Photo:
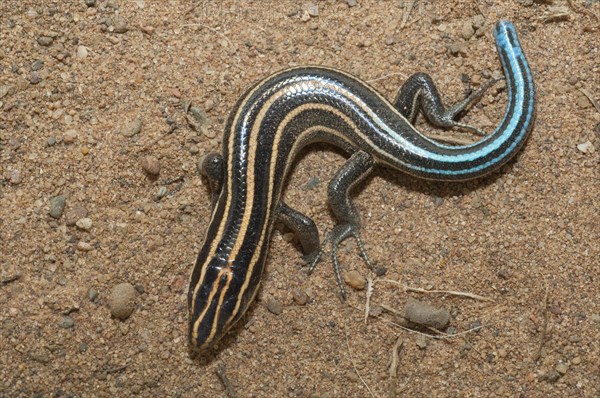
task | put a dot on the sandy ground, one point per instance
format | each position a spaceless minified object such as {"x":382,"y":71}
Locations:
{"x":74,"y":78}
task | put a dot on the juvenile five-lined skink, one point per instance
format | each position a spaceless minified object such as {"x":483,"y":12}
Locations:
{"x":280,"y":115}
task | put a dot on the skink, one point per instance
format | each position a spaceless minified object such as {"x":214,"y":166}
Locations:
{"x":280,"y":115}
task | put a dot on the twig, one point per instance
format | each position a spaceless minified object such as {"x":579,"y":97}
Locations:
{"x":583,"y":10}
{"x":388,"y":75}
{"x":354,"y":364}
{"x":441,"y":335}
{"x":10,"y":279}
{"x":116,"y":369}
{"x":369,"y":294}
{"x":212,"y":30}
{"x":408,"y":7}
{"x":544,"y":325}
{"x":229,"y":390}
{"x":394,"y":368}
{"x":591,"y":98}
{"x":450,"y":292}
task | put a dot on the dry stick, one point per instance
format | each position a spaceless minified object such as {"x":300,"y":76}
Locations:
{"x":591,"y":98}
{"x":229,"y":390}
{"x":388,"y":75}
{"x":441,"y":336}
{"x":369,"y":294}
{"x":583,"y":10}
{"x":408,"y":7}
{"x":544,"y":325}
{"x":353,"y":364}
{"x":394,"y":368}
{"x":215,"y":31}
{"x":450,"y":292}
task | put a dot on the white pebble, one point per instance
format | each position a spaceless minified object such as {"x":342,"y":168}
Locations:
{"x":82,"y":52}
{"x":84,"y":223}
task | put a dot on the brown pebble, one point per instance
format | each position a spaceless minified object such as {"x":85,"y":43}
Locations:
{"x":151,"y":165}
{"x":132,"y":128}
{"x":84,"y":246}
{"x":467,"y":30}
{"x":14,"y":176}
{"x":275,"y":306}
{"x":178,"y":283}
{"x":425,"y":314}
{"x":70,"y":136}
{"x":122,"y":300}
{"x":355,"y":280}
{"x":375,"y":311}
{"x":300,"y":296}
{"x":74,"y":214}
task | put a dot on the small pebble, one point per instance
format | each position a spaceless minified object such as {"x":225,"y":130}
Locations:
{"x":74,"y":214}
{"x":178,"y":284}
{"x":351,"y":3}
{"x":312,"y":183}
{"x":140,"y":288}
{"x":162,"y":191}
{"x":300,"y":296}
{"x":551,"y":376}
{"x":5,"y":90}
{"x":51,"y":141}
{"x":148,"y":29}
{"x":313,"y":10}
{"x":66,"y":323}
{"x":82,"y":52}
{"x":355,"y":280}
{"x":84,"y":246}
{"x":375,"y":311}
{"x":503,"y":274}
{"x":37,"y":65}
{"x":120,"y":25}
{"x":562,"y":368}
{"x":425,"y":314}
{"x":45,"y":41}
{"x":132,"y":128}
{"x":197,"y":118}
{"x":14,"y":176}
{"x":151,"y":166}
{"x":586,"y":147}
{"x":583,"y":102}
{"x":288,"y":237}
{"x":70,"y":136}
{"x":274,"y":306}
{"x":84,"y":223}
{"x":467,"y":30}
{"x":40,"y":356}
{"x":122,"y":300}
{"x":421,"y":341}
{"x":57,"y":206}
{"x":478,"y":21}
{"x":92,"y":294}
{"x":35,"y":78}
{"x":475,"y":326}
{"x":576,"y":361}
{"x":90,"y":3}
